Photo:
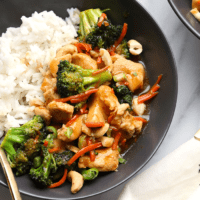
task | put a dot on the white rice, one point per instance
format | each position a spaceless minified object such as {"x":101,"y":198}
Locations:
{"x":35,"y":42}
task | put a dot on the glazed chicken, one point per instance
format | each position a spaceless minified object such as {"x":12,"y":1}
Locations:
{"x":134,"y":72}
{"x":106,"y":160}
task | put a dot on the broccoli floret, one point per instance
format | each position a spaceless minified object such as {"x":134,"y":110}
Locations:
{"x":123,"y":94}
{"x":104,"y":36}
{"x":123,"y":49}
{"x":20,"y":162}
{"x":41,"y":175}
{"x":73,"y":79}
{"x":22,"y":144}
{"x":63,"y":157}
{"x":88,"y":19}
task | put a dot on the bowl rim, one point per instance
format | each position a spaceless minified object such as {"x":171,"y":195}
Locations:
{"x":184,"y":21}
{"x":158,"y":145}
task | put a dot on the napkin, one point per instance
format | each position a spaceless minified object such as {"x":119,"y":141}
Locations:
{"x":175,"y":177}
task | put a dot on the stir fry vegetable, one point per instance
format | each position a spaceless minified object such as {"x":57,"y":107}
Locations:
{"x":73,"y":79}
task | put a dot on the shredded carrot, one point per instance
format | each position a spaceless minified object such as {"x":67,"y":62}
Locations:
{"x":112,"y":53}
{"x":116,"y":141}
{"x":121,"y":37}
{"x":61,"y":181}
{"x":79,"y":49}
{"x":45,"y":143}
{"x":79,"y":99}
{"x":100,"y":70}
{"x":92,"y":154}
{"x":101,"y":19}
{"x":54,"y":149}
{"x":152,"y":92}
{"x":140,"y":119}
{"x":83,"y":46}
{"x":83,"y":151}
{"x":89,"y":92}
{"x":155,"y":87}
{"x":99,"y":60}
{"x":83,"y":109}
{"x":72,"y":120}
{"x":110,"y":118}
{"x":94,"y":124}
{"x":146,"y":97}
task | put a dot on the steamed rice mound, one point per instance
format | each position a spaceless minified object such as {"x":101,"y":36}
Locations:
{"x":25,"y":53}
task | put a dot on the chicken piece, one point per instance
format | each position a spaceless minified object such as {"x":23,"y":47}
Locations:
{"x":134,"y":72}
{"x":56,"y":61}
{"x":106,"y":160}
{"x":36,"y":102}
{"x":48,"y":83}
{"x":72,"y":148}
{"x":106,"y":141}
{"x":196,"y":4}
{"x":97,"y":110}
{"x":60,"y":112}
{"x":138,"y":108}
{"x":76,"y":127}
{"x":85,"y":61}
{"x":124,"y":121}
{"x":107,"y":96}
{"x":99,"y":132}
{"x":44,"y":113}
{"x":50,"y":95}
{"x":85,"y":129}
{"x":67,"y":49}
{"x":102,"y":102}
{"x":138,"y":125}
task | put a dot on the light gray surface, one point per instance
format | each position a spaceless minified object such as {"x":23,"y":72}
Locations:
{"x":186,"y":49}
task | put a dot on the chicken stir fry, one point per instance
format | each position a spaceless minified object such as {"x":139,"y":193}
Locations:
{"x":92,"y":107}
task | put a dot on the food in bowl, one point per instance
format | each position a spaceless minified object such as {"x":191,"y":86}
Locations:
{"x":93,"y":98}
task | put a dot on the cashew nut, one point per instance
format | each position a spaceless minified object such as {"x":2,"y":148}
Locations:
{"x":135,"y":48}
{"x":94,"y":54}
{"x":100,"y":131}
{"x":72,"y":148}
{"x":67,"y":49}
{"x":77,"y":181}
{"x":106,"y":141}
{"x":105,"y":57}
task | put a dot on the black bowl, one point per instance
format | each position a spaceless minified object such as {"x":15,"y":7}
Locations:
{"x":182,"y":9}
{"x":158,"y":59}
